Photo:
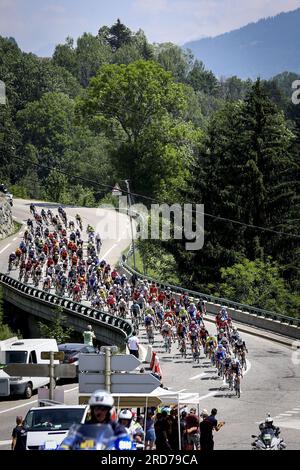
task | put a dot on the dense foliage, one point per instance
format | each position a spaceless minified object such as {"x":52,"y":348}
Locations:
{"x":113,"y":107}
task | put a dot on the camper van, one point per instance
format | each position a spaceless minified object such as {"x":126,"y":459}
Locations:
{"x":26,"y":351}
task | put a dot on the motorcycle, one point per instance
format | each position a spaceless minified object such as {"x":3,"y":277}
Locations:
{"x":95,"y":437}
{"x":268,"y":440}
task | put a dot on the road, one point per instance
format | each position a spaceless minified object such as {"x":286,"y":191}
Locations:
{"x":272,"y":382}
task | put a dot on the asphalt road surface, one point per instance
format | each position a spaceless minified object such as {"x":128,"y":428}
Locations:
{"x":271,"y":384}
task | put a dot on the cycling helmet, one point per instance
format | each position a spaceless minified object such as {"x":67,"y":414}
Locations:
{"x":101,"y":398}
{"x":221,"y":330}
{"x":89,"y":327}
{"x":234,"y":328}
{"x":239,"y":342}
{"x":125,"y":414}
{"x":220,"y":345}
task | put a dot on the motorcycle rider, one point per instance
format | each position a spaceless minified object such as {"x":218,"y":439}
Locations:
{"x":268,"y":424}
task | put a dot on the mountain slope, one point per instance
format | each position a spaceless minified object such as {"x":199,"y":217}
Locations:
{"x":264,"y":49}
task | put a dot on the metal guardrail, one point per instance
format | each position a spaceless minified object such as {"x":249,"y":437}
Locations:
{"x":216,"y":300}
{"x":67,"y":304}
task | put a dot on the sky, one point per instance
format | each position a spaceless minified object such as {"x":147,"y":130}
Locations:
{"x":38,"y":25}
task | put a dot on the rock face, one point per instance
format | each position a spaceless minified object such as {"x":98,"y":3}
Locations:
{"x":6,"y":221}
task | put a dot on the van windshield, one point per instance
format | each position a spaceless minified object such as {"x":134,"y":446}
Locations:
{"x":53,"y":419}
{"x":16,"y":357}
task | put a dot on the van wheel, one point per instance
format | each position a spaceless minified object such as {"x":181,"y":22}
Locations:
{"x":28,"y":391}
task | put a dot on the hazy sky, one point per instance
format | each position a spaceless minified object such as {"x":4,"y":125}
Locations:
{"x":38,"y":25}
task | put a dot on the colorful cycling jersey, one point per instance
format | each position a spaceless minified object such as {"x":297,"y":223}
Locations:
{"x":211,"y":340}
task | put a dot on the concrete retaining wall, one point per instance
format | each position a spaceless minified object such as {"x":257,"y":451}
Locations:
{"x":274,"y":326}
{"x":105,"y":333}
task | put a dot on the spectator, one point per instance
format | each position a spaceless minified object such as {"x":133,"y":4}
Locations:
{"x":192,"y":423}
{"x":19,"y":435}
{"x":150,"y":431}
{"x":133,"y":345}
{"x":207,"y":426}
{"x":162,"y":430}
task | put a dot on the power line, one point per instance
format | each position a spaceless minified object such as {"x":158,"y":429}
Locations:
{"x":149,"y":198}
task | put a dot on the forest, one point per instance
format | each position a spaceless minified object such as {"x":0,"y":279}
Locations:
{"x":114,"y":106}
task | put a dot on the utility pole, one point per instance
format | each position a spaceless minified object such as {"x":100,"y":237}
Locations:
{"x":131,"y":224}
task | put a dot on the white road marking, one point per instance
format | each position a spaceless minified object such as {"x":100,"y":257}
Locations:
{"x":5,"y":248}
{"x":182,"y":390}
{"x":19,"y":406}
{"x":198,"y":376}
{"x":293,"y":412}
{"x":14,"y":239}
{"x":105,"y":254}
{"x":211,"y":394}
{"x":34,"y":401}
{"x":291,"y":424}
{"x":71,"y":389}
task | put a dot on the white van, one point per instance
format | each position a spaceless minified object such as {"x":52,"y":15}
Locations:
{"x":47,"y":426}
{"x":26,"y":351}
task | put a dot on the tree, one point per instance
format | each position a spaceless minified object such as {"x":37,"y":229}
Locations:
{"x":245,"y":173}
{"x":65,"y":56}
{"x":143,"y":106}
{"x":56,"y":186}
{"x":202,"y":80}
{"x":48,"y":125}
{"x":132,"y":97}
{"x":56,"y":329}
{"x":90,"y":55}
{"x":175,"y":60}
{"x":116,"y":36}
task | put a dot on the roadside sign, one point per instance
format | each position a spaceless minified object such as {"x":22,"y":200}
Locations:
{"x":116,"y":191}
{"x":120,"y":383}
{"x":57,"y":355}
{"x":119,"y":362}
{"x":40,"y":370}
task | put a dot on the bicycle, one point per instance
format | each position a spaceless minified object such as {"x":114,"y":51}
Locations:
{"x":167,"y":344}
{"x":237,"y":386}
{"x":182,"y":348}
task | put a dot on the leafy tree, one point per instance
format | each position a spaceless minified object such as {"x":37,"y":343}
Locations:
{"x":202,"y":80}
{"x":48,"y":125}
{"x":245,"y":173}
{"x":90,"y":55}
{"x":234,"y":88}
{"x":65,"y":56}
{"x":57,"y":329}
{"x":175,"y":60}
{"x":143,"y":106}
{"x":56,"y":186}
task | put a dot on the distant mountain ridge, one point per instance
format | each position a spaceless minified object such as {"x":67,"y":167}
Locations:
{"x":264,"y":49}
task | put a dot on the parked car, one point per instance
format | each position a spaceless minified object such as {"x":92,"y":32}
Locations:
{"x":47,"y":426}
{"x":72,"y":351}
